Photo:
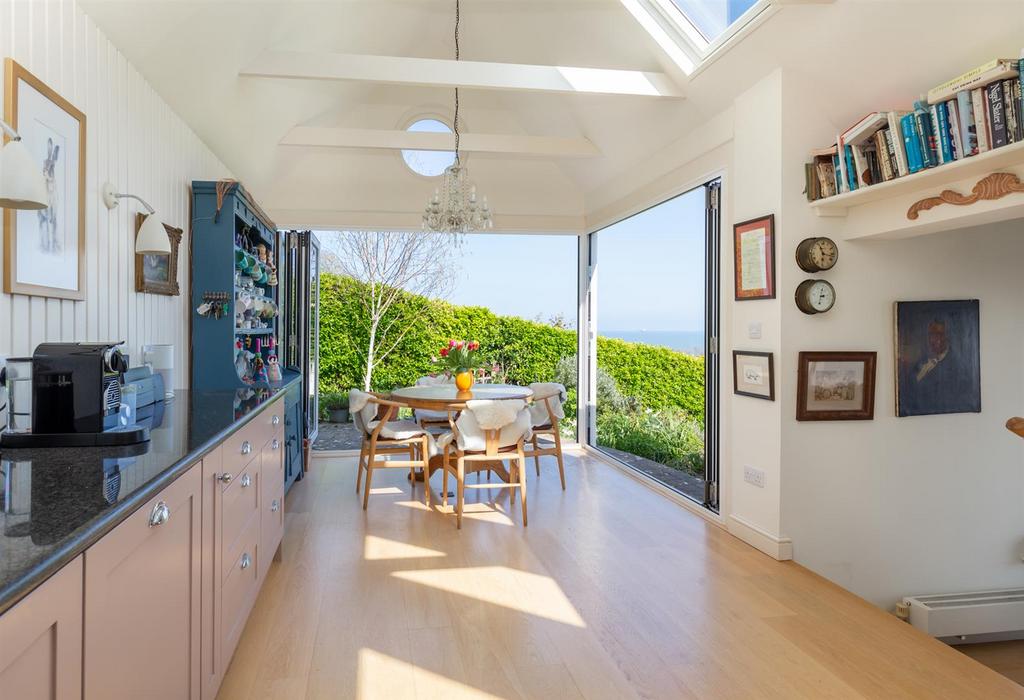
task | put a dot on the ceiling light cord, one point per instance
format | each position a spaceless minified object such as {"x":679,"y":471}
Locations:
{"x":455,"y":123}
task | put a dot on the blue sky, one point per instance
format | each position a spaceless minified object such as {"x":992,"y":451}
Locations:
{"x":650,"y":271}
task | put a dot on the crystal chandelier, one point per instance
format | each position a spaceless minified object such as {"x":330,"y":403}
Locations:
{"x":454,"y":207}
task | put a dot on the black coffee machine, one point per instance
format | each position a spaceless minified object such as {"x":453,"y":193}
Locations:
{"x":76,"y":398}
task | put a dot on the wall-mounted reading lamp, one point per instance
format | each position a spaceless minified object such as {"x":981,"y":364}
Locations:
{"x":22,"y":185}
{"x":152,"y":236}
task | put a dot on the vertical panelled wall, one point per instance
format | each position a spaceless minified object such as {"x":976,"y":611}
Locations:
{"x":136,"y":142}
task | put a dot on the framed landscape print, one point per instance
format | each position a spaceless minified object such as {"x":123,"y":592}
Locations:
{"x":157,"y":273}
{"x":754,"y":258}
{"x":836,"y":386}
{"x":938,"y":357}
{"x":44,"y":250}
{"x":753,"y":374}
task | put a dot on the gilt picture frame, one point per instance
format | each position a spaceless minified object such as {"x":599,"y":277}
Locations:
{"x":44,"y":250}
{"x":836,"y":386}
{"x":157,"y":273}
{"x":753,"y":374}
{"x":754,"y":258}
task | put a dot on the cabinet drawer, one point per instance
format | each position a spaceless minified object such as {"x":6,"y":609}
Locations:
{"x":242,"y":447}
{"x":238,"y":592}
{"x":272,"y":416}
{"x":240,"y":504}
{"x":272,"y":514}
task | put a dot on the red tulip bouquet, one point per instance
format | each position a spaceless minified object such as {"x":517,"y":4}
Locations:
{"x":461,"y":358}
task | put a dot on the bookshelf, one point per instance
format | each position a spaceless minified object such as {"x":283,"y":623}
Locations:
{"x":926,"y":182}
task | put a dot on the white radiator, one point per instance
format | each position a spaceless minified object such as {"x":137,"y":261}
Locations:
{"x":957,"y":617}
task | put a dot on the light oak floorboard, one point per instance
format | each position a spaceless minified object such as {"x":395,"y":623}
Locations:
{"x":613,"y":591}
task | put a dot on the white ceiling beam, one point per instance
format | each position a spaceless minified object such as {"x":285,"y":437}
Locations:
{"x":504,"y":144}
{"x":399,"y":70}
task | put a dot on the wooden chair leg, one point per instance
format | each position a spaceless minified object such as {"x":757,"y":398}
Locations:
{"x":512,"y":478}
{"x":444,"y":480}
{"x":425,"y":447}
{"x":369,"y":475}
{"x":362,"y":456}
{"x":461,"y":476}
{"x":522,"y":481}
{"x":558,"y":456}
{"x":412,"y":470}
{"x":536,"y":457}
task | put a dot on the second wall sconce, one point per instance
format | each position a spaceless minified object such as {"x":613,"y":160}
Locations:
{"x":152,"y":236}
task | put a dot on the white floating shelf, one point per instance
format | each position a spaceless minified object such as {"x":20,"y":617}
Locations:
{"x":928,"y":182}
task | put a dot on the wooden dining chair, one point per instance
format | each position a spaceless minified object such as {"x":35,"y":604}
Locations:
{"x":487,"y":432}
{"x":383,"y":438}
{"x":547,"y":410}
{"x":433,"y":421}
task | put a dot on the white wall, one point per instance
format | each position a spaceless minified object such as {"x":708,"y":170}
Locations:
{"x":135,"y":141}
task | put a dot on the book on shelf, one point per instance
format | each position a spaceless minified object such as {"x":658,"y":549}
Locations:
{"x":822,"y":170}
{"x":968,"y":130}
{"x":926,"y":134}
{"x":955,"y":134}
{"x":911,"y":142}
{"x":1011,"y":99}
{"x":896,"y":137}
{"x":942,"y":135}
{"x":996,"y":69}
{"x":982,"y":123}
{"x":996,"y":113}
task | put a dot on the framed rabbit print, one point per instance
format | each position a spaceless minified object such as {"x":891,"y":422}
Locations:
{"x":44,"y":250}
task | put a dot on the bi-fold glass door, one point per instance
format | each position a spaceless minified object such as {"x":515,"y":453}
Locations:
{"x":652,"y":320}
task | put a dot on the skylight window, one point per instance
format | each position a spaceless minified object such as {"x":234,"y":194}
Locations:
{"x":713,"y":17}
{"x":429,"y":163}
{"x":690,"y":31}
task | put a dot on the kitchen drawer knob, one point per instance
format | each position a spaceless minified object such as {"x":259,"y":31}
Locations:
{"x":160,"y":515}
{"x":225,"y":478}
{"x":275,"y":444}
{"x":274,"y":506}
{"x":246,"y":561}
{"x":246,"y":480}
{"x":246,"y":447}
{"x":276,"y":420}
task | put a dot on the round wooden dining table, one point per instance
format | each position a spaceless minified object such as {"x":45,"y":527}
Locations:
{"x":446,"y":397}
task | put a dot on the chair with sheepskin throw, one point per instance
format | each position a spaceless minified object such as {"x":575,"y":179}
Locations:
{"x":433,"y":420}
{"x":487,"y":431}
{"x":547,"y":410}
{"x":383,"y":437}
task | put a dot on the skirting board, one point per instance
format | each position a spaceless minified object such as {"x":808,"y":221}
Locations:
{"x":780,"y":548}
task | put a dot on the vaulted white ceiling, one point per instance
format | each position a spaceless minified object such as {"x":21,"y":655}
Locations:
{"x":192,"y":52}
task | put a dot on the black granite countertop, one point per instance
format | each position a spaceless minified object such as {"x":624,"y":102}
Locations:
{"x":58,"y":501}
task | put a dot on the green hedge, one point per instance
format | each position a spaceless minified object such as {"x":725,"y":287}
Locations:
{"x":656,"y":377}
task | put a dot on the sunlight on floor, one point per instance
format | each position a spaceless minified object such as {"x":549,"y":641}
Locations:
{"x":382,"y":490}
{"x":384,"y":676}
{"x":376,"y":548}
{"x":481,"y":512}
{"x":532,"y":594}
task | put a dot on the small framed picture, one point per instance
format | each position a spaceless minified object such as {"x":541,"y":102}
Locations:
{"x":157,"y":273}
{"x":754,"y":258}
{"x":753,"y":374}
{"x":836,"y":386}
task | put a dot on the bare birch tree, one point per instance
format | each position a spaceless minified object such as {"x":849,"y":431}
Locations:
{"x":390,"y":264}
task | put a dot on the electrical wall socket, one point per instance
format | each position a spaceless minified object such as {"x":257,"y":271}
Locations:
{"x":754,"y":476}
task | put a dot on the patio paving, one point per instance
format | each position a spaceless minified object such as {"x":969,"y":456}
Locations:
{"x":337,"y":436}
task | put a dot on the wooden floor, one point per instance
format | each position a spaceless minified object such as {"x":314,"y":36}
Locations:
{"x":1005,"y":657}
{"x":613,"y":591}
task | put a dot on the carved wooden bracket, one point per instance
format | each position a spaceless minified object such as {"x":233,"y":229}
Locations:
{"x":994,"y":186}
{"x":1016,"y":425}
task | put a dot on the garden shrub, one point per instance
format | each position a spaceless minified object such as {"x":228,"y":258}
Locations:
{"x":631,"y":374}
{"x":667,"y":436}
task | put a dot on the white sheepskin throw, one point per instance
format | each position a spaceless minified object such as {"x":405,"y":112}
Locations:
{"x":510,"y":417}
{"x":362,"y":409}
{"x":555,"y":395}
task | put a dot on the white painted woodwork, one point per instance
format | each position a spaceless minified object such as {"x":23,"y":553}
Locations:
{"x":505,"y":144}
{"x":41,"y":640}
{"x":438,"y":72}
{"x":142,"y":601}
{"x":133,"y":140}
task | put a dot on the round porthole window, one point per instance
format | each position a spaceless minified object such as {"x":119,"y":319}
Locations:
{"x":429,"y":163}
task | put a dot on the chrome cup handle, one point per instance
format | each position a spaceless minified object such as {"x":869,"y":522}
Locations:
{"x":160,"y":515}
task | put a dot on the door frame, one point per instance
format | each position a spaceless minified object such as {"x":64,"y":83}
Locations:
{"x":588,"y":274}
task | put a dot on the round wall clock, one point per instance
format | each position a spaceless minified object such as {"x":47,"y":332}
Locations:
{"x":817,"y":254}
{"x":815,"y":296}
